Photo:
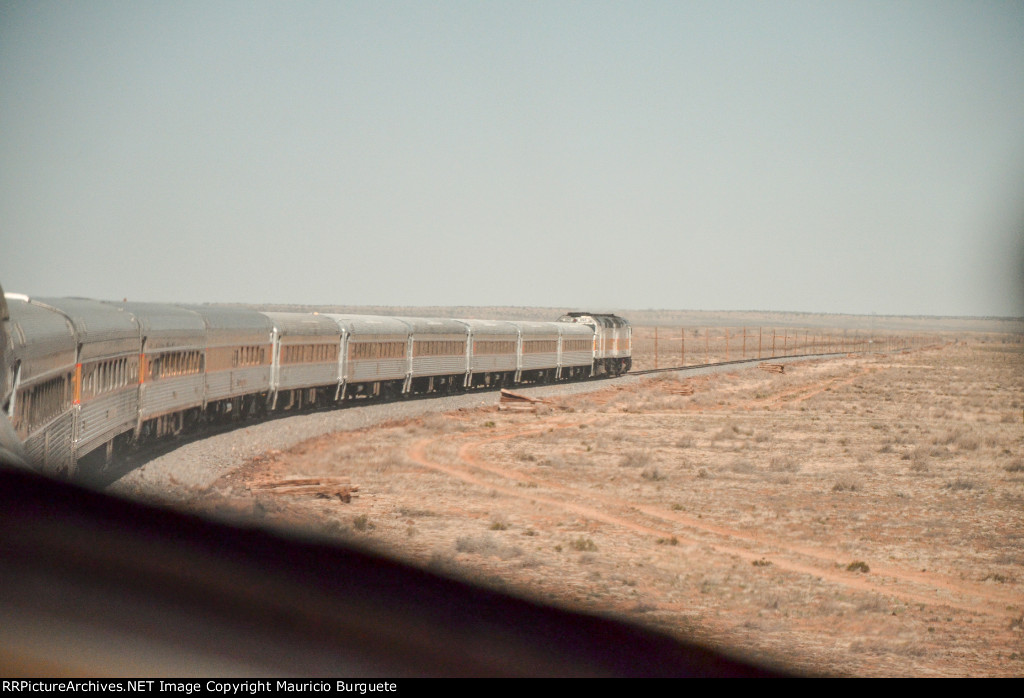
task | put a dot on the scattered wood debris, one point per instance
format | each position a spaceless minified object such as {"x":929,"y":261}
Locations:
{"x":324,"y":487}
{"x":517,"y":401}
{"x":681,"y":389}
{"x":773,"y":368}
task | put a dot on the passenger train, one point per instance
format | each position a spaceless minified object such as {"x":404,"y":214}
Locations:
{"x":81,"y":378}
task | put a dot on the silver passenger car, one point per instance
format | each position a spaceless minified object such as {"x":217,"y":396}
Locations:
{"x":575,"y":350}
{"x":493,"y":352}
{"x":538,"y":351}
{"x":238,"y":363}
{"x":439,"y":354}
{"x":171,"y":372}
{"x":307,"y":348}
{"x":375,"y":355}
{"x":106,"y":374}
{"x":42,"y":365}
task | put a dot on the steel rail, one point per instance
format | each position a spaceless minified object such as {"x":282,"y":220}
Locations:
{"x":692,"y":367}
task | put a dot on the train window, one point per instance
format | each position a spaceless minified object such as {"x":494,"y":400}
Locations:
{"x":488,"y":347}
{"x":43,"y":402}
{"x":539,"y":346}
{"x":372,"y":350}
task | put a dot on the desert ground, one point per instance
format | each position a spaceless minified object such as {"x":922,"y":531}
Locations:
{"x":856,"y":515}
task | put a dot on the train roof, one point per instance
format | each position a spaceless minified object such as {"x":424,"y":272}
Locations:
{"x":435,"y":325}
{"x":38,"y":329}
{"x":304,"y":324}
{"x":162,"y":317}
{"x":233,"y":326}
{"x":101,"y":329}
{"x":370,"y":324}
{"x":583,"y":313}
{"x":534,"y":328}
{"x":492,"y":327}
{"x":582,"y":329}
{"x":603,"y":319}
{"x":166,"y":326}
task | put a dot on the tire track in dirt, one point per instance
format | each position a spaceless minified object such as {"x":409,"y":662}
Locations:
{"x":818,"y":562}
{"x":792,"y":395}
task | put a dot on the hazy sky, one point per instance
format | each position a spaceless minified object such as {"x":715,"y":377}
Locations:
{"x":822,"y":156}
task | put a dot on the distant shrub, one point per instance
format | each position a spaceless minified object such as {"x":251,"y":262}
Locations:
{"x":741,"y":465}
{"x":1014,"y":466}
{"x":636,"y":459}
{"x":584,"y":545}
{"x":783,"y":464}
{"x":844,"y":485}
{"x":486,"y":545}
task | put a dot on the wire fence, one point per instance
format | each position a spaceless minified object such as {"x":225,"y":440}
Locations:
{"x":664,"y":347}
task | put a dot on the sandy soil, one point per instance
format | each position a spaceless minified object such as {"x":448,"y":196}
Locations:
{"x":859,"y":515}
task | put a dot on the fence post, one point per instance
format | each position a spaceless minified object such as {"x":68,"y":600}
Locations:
{"x":726,"y":343}
{"x":682,"y":346}
{"x":707,"y":346}
{"x":655,"y":347}
{"x":760,"y":331}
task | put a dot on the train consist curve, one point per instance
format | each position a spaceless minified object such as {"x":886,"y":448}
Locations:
{"x":80,"y":378}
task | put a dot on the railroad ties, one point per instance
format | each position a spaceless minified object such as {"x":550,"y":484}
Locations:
{"x":518,"y":401}
{"x":324,"y":487}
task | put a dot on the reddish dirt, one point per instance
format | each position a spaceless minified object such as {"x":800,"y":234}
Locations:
{"x":860,"y":515}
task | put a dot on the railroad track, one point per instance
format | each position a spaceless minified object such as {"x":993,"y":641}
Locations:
{"x":692,"y":367}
